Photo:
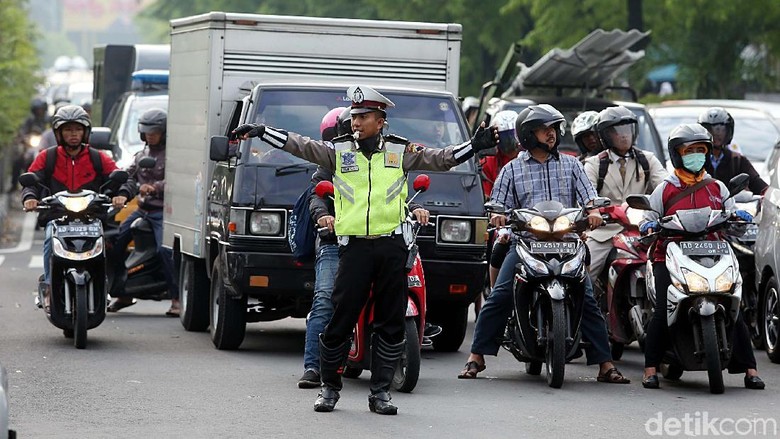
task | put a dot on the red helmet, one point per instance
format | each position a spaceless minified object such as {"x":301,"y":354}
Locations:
{"x":329,"y":122}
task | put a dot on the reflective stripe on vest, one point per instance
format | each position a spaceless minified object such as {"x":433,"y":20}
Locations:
{"x":369,"y":194}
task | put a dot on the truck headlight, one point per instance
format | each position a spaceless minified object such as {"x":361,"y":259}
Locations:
{"x":265,"y":223}
{"x":455,"y":230}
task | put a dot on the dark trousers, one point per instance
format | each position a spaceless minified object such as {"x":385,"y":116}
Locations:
{"x":363,"y":264}
{"x":657,"y":341}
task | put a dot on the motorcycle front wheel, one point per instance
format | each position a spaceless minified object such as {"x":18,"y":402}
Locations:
{"x":80,"y":315}
{"x":712,"y":353}
{"x":555,"y":354}
{"x":407,"y":372}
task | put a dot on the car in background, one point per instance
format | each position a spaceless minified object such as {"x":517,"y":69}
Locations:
{"x":767,"y":257}
{"x":755,"y":131}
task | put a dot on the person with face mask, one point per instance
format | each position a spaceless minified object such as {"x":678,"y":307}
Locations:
{"x":689,"y":187}
{"x":72,"y":165}
{"x":725,"y":162}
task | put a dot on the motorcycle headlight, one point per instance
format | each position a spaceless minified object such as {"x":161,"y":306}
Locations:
{"x":725,"y":281}
{"x":573,"y":265}
{"x":539,"y":224}
{"x":696,"y":282}
{"x":34,"y":140}
{"x":62,"y":252}
{"x":76,"y":204}
{"x":751,"y":208}
{"x":562,"y":224}
{"x":265,"y":223}
{"x":455,"y":230}
{"x":537,"y":267}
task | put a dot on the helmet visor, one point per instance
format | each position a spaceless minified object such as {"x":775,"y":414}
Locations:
{"x":621,"y":136}
{"x":719,"y":133}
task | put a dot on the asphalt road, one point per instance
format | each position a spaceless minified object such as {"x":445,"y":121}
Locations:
{"x":142,"y":375}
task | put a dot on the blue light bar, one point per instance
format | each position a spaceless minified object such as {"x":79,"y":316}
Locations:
{"x":149,"y":79}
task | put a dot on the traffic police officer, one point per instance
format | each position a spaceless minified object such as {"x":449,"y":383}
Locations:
{"x":370,"y":181}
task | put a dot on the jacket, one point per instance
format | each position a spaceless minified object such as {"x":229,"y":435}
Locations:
{"x":491,"y":166}
{"x":732,"y":164}
{"x":152,"y":176}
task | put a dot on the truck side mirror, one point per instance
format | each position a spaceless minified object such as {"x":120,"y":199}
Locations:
{"x":99,"y":138}
{"x":219,"y":150}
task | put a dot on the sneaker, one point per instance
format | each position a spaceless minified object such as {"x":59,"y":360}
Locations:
{"x":431,"y":330}
{"x":309,"y":380}
{"x":426,"y":342}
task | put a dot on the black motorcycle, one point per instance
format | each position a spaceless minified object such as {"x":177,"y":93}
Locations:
{"x":549,"y":286}
{"x":743,"y":249}
{"x":78,"y":264}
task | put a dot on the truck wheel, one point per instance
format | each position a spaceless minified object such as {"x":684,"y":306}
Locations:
{"x":453,"y":319}
{"x":407,"y":372}
{"x":193,"y":294}
{"x":228,"y":315}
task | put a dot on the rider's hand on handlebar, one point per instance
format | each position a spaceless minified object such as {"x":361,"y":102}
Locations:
{"x":326,"y":221}
{"x":30,"y":204}
{"x":421,"y":215}
{"x":119,"y":202}
{"x":595,"y":220}
{"x":744,"y":215}
{"x":648,"y":227}
{"x":497,"y":220}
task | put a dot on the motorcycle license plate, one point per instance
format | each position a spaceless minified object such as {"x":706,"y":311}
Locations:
{"x":704,"y":248}
{"x":76,"y":230}
{"x":750,"y":234}
{"x":552,"y":247}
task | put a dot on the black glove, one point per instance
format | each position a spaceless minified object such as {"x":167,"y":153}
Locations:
{"x":250,"y":130}
{"x":484,"y":138}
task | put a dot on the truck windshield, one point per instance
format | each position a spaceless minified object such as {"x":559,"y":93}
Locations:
{"x":432,"y":121}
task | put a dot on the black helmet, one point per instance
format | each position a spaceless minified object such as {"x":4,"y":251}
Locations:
{"x":686,"y":134}
{"x":538,"y":116}
{"x":344,"y":122}
{"x":519,"y":121}
{"x":612,"y":117}
{"x":38,"y":104}
{"x":718,"y":116}
{"x":71,"y":114}
{"x":153,"y":119}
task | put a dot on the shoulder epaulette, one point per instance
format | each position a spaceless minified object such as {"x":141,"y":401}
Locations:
{"x":392,"y":138}
{"x":342,"y":138}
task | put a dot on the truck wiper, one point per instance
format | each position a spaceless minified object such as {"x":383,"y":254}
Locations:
{"x":292,"y":169}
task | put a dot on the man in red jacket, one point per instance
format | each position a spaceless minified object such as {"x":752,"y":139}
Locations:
{"x":76,"y":167}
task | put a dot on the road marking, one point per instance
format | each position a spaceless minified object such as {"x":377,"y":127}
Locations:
{"x":36,"y":261}
{"x":28,"y":231}
{"x":2,"y":259}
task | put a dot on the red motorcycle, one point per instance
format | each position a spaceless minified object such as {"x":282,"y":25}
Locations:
{"x":408,"y":371}
{"x":626,"y":308}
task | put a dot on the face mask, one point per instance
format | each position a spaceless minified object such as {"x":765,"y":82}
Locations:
{"x":694,"y":162}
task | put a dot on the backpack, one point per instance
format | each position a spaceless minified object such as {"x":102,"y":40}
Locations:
{"x":51,"y":162}
{"x":301,"y":233}
{"x":604,"y":162}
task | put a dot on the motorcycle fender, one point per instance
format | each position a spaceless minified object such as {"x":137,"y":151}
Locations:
{"x":555,"y":290}
{"x":705,"y":307}
{"x":78,"y":277}
{"x":411,"y":308}
{"x":673,"y":299}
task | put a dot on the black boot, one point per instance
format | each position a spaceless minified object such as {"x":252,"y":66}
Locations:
{"x":331,"y":359}
{"x":384,"y":360}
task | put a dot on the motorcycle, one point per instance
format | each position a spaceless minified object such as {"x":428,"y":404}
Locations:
{"x":78,"y":265}
{"x":743,"y":248}
{"x":408,"y":371}
{"x":549,"y":286}
{"x":703,"y":300}
{"x":625,"y":306}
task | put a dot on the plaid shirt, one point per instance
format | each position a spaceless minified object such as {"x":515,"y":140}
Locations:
{"x":524,"y":182}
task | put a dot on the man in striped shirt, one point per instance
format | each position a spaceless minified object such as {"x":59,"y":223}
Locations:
{"x":539,"y":174}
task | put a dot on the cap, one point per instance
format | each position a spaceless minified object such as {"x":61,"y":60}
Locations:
{"x":365,"y":99}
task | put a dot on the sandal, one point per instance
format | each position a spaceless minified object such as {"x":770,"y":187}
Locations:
{"x":174,"y":310}
{"x":613,"y":376}
{"x":471,"y":370}
{"x":120,"y":303}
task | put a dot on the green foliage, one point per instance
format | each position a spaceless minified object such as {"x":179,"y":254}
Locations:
{"x":18,"y":63}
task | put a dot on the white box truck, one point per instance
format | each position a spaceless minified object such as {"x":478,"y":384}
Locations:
{"x":226,"y":219}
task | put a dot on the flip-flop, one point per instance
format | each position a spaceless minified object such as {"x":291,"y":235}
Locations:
{"x":471,"y":370}
{"x":116,"y":305}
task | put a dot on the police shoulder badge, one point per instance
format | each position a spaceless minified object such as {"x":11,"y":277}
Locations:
{"x":392,"y":159}
{"x":348,"y":161}
{"x":414,"y":147}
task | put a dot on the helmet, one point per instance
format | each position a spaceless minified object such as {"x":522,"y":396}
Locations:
{"x":71,"y":114}
{"x":329,"y":122}
{"x":584,"y":122}
{"x":538,"y":116}
{"x":718,"y":116}
{"x":153,"y":119}
{"x":469,"y":102}
{"x":38,"y":104}
{"x":344,"y":122}
{"x":504,"y":121}
{"x":686,"y":134}
{"x":612,"y":117}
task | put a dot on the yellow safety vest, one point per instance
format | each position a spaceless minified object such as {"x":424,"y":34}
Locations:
{"x":369,"y":193}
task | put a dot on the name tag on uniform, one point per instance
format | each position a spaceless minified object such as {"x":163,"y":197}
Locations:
{"x":348,"y":163}
{"x":392,"y":160}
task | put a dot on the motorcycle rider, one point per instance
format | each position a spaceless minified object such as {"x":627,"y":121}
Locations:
{"x":688,"y":146}
{"x":35,"y":123}
{"x":725,"y":163}
{"x":372,"y":248}
{"x":583,"y":129}
{"x":72,"y":166}
{"x":539,"y":173}
{"x":617,"y":172}
{"x":151,"y":191}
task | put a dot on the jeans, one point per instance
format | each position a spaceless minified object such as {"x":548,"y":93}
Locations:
{"x":489,"y":330}
{"x":325,"y":266}
{"x":124,"y":237}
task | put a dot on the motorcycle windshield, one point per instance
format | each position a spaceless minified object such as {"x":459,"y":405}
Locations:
{"x":691,"y":220}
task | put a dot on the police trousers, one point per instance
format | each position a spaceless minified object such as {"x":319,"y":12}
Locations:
{"x":375,"y":267}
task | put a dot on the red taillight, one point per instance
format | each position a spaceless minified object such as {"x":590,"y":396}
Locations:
{"x":458,"y":289}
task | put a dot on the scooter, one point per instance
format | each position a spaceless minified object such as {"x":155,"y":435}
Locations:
{"x":78,"y":264}
{"x":743,"y":248}
{"x":625,"y":308}
{"x":408,"y":371}
{"x":703,"y":300}
{"x":549,"y":285}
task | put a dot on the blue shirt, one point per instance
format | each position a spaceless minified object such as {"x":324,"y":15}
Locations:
{"x":716,"y":161}
{"x":524,"y":182}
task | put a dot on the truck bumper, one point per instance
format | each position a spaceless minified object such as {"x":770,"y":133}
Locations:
{"x":454,"y":281}
{"x":269,"y":274}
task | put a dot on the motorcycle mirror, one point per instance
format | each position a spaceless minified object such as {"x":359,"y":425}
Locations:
{"x":494,"y":207}
{"x":147,"y":162}
{"x":324,"y":189}
{"x":100,"y":138}
{"x":421,"y":183}
{"x":640,"y":202}
{"x":118,"y":176}
{"x":600,"y":202}
{"x":738,"y":184}
{"x":29,"y":179}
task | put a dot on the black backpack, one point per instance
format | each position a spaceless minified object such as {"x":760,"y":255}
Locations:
{"x":604,"y":162}
{"x":301,"y":233}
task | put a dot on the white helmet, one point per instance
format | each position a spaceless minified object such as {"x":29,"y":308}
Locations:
{"x":585,"y":121}
{"x":504,"y":120}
